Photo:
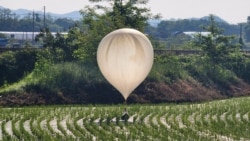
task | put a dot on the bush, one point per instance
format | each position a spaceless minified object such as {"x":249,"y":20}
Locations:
{"x":208,"y":73}
{"x":167,"y":69}
{"x":15,"y":65}
{"x":68,"y":75}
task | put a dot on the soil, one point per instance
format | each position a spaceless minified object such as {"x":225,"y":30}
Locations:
{"x":148,"y":92}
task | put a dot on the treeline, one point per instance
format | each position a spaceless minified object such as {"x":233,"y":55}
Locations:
{"x":10,"y":21}
{"x":165,"y":29}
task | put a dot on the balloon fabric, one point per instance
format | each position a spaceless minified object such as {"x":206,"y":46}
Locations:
{"x":125,"y":57}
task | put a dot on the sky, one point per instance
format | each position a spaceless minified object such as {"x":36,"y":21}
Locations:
{"x":233,"y":11}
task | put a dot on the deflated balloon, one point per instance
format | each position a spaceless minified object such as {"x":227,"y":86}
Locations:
{"x":125,"y":57}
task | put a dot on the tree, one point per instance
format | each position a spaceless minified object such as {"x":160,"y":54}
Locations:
{"x":129,"y":15}
{"x":45,"y":37}
{"x":58,"y":44}
{"x":216,"y":46}
{"x":247,"y":32}
{"x":8,"y":20}
{"x":96,"y":24}
{"x":65,"y":23}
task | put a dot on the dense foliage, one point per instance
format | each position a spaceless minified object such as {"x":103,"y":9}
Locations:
{"x":15,"y":65}
{"x":121,"y":14}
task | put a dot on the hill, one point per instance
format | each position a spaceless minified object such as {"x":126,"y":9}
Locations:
{"x":74,"y":15}
{"x":216,"y":18}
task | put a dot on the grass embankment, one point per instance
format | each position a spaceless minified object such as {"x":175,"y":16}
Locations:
{"x":172,"y":79}
{"x":217,"y":120}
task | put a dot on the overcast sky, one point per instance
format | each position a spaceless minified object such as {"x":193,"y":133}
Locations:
{"x":233,"y":11}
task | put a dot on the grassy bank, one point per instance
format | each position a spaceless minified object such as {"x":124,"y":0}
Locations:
{"x":172,"y":79}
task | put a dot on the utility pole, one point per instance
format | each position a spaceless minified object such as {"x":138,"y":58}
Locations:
{"x":241,"y":40}
{"x":240,"y":30}
{"x":44,"y":25}
{"x":33,"y":26}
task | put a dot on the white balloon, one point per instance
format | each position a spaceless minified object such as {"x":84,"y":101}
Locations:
{"x":125,"y":57}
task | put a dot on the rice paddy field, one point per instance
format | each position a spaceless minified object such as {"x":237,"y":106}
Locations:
{"x":224,"y":120}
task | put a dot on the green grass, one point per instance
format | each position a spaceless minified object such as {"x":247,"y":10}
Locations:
{"x":18,"y":86}
{"x":217,"y":120}
{"x":57,"y":77}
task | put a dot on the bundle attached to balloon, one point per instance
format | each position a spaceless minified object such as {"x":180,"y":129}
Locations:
{"x":125,"y":57}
